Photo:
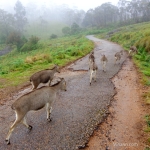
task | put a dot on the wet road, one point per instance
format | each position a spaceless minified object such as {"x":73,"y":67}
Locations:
{"x":76,"y":113}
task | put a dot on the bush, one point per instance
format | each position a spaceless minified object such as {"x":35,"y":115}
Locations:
{"x":3,"y":39}
{"x":16,"y":39}
{"x":53,"y":36}
{"x":75,"y":28}
{"x":61,"y":56}
{"x":32,"y":44}
{"x":66,"y":30}
{"x":76,"y":53}
{"x":33,"y":40}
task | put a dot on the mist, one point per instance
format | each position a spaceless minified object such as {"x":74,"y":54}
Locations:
{"x":73,"y":4}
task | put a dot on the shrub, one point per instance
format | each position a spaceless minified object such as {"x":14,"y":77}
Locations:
{"x":3,"y":39}
{"x":16,"y":39}
{"x":76,"y":53}
{"x":53,"y":36}
{"x":75,"y":28}
{"x":32,"y":44}
{"x":66,"y":30}
{"x":33,"y":40}
{"x":61,"y":56}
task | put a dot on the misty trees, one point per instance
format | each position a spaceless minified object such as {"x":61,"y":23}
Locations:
{"x":19,"y":21}
{"x":8,"y":32}
{"x":12,"y":25}
{"x":78,"y":16}
{"x":88,"y":20}
{"x":123,"y":11}
{"x":126,"y":12}
{"x":70,"y":21}
{"x":20,"y":16}
{"x":145,"y":9}
{"x":101,"y":15}
{"x":109,"y":14}
{"x":75,"y":28}
{"x":134,"y":11}
{"x":6,"y":25}
{"x":17,"y":39}
{"x":66,"y":30}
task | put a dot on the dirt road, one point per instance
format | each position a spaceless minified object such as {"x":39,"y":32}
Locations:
{"x":76,"y":113}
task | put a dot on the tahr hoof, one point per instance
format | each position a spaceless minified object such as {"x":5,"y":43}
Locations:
{"x":90,"y":83}
{"x":49,"y":119}
{"x":30,"y":127}
{"x":7,"y":141}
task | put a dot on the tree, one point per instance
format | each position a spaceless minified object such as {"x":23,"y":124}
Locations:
{"x":75,"y":28}
{"x":66,"y":30}
{"x":68,"y":16}
{"x":145,"y":10}
{"x":16,"y":39}
{"x":6,"y":25}
{"x":123,"y":10}
{"x":78,"y":16}
{"x":20,"y":16}
{"x":88,"y":20}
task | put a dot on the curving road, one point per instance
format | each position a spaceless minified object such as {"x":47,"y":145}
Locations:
{"x":76,"y":113}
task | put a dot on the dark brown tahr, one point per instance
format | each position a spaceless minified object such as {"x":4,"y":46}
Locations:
{"x":43,"y":76}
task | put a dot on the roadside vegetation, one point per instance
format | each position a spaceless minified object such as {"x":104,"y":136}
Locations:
{"x":128,"y":36}
{"x":17,"y":66}
{"x":138,"y":35}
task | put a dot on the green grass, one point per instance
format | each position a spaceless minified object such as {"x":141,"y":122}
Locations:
{"x":147,"y":120}
{"x":147,"y":97}
{"x":16,"y":67}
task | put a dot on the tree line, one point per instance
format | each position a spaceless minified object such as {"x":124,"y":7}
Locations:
{"x":13,"y":26}
{"x":127,"y":12}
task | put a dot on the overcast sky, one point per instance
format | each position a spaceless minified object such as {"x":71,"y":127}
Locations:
{"x":80,"y":4}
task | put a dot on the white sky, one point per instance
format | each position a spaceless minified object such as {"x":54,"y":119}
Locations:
{"x":80,"y":4}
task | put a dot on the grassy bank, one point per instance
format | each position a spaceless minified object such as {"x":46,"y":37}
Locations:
{"x":138,"y":35}
{"x":17,"y":67}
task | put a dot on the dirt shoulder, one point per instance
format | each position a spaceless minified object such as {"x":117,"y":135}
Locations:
{"x":123,"y":128}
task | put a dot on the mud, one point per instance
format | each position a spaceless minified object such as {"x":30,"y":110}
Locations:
{"x":76,"y":113}
{"x":123,"y":128}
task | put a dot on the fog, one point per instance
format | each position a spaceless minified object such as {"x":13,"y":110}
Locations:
{"x":78,"y":4}
{"x":35,"y":16}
